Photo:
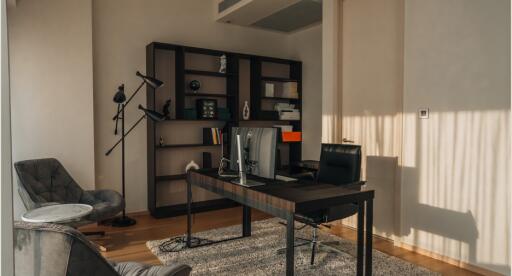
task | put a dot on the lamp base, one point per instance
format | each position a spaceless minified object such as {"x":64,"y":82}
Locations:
{"x":123,"y":221}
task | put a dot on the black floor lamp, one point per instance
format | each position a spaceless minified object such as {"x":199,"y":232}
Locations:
{"x":120,"y":99}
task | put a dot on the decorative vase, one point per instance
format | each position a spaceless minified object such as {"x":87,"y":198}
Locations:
{"x":246,"y":111}
{"x":223,"y":62}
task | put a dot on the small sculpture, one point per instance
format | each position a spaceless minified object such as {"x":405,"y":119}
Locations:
{"x":166,"y":109}
{"x":191,"y":165}
{"x":161,"y":141}
{"x":246,"y":112}
{"x":223,"y":62}
{"x":194,"y":85}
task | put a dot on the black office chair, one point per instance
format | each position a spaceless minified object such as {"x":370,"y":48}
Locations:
{"x":339,"y":165}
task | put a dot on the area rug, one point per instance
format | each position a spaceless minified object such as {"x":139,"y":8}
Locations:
{"x":257,"y":255}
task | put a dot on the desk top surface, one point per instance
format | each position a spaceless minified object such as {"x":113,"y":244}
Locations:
{"x":296,"y":196}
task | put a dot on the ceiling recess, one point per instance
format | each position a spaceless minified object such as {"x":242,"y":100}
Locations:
{"x":278,"y":15}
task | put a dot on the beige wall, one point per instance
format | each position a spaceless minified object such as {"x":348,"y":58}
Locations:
{"x":456,"y":164}
{"x":51,"y":85}
{"x":121,"y":30}
{"x":453,"y":184}
{"x":306,"y":46}
{"x":371,"y":86}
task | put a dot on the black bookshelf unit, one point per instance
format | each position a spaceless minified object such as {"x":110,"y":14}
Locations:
{"x":230,"y":97}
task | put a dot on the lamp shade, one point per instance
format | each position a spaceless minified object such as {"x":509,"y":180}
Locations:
{"x":153,"y":115}
{"x":153,"y":82}
{"x":120,"y":97}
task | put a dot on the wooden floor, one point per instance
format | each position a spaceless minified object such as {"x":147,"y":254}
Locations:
{"x":128,"y":244}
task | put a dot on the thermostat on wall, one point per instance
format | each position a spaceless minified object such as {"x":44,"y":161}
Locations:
{"x":423,"y":113}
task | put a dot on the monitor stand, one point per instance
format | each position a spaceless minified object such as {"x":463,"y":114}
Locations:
{"x":243,"y":181}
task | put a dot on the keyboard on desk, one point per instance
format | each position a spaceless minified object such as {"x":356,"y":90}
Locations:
{"x":285,"y":178}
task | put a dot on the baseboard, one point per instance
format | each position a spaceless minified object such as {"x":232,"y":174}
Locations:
{"x":449,"y":260}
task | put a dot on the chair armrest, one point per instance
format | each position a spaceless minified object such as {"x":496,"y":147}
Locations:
{"x":44,"y":204}
{"x":304,"y":219}
{"x":133,"y":268}
{"x":104,"y":195}
{"x":355,"y":186}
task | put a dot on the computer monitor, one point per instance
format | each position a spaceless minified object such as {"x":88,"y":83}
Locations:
{"x":258,"y":150}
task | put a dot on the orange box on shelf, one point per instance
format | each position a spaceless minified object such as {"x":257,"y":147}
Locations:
{"x":292,"y":136}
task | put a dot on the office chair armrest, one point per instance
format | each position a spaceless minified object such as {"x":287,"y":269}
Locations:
{"x":309,"y":221}
{"x":111,"y":196}
{"x":355,"y":185}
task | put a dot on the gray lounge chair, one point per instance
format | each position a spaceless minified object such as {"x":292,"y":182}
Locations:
{"x":44,"y":249}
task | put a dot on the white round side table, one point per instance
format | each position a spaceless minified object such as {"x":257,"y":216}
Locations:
{"x":58,"y":213}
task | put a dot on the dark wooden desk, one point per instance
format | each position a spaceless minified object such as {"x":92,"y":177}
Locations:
{"x":284,"y":200}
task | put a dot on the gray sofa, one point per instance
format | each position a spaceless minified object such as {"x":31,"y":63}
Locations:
{"x":46,"y":181}
{"x":56,"y":250}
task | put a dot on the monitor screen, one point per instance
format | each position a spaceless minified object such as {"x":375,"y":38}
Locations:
{"x":259,"y":150}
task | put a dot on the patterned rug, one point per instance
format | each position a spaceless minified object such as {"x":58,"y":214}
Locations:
{"x":257,"y":255}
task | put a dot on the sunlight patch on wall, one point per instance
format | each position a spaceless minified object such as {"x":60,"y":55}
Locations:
{"x":456,"y":195}
{"x":379,"y":135}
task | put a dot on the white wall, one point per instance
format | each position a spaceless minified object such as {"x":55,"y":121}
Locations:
{"x":51,"y":85}
{"x":6,"y":233}
{"x":456,"y":177}
{"x":121,"y":31}
{"x":306,"y":45}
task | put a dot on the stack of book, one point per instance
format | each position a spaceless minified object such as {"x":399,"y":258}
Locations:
{"x":212,"y":136}
{"x":287,"y":111}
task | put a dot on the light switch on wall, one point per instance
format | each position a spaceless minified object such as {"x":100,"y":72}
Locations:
{"x":423,"y":113}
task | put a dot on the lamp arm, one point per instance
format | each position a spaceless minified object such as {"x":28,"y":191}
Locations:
{"x":129,"y":99}
{"x":117,"y":118}
{"x":126,"y":134}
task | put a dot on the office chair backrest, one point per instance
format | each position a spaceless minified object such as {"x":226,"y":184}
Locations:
{"x":339,"y":164}
{"x":46,"y":180}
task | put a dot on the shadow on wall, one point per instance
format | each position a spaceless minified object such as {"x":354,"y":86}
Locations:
{"x":381,"y":176}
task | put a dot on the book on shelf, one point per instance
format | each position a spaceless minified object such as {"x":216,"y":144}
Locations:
{"x":269,"y":90}
{"x":212,"y":136}
{"x":290,"y":90}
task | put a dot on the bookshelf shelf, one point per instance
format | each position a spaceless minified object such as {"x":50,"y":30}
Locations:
{"x":279,"y":98}
{"x":173,"y":177}
{"x":277,"y":79}
{"x":207,"y":73}
{"x":215,"y":95}
{"x":195,"y":120}
{"x":186,"y":146}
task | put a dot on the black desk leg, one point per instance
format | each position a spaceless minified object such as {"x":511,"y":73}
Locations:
{"x":246,"y":221}
{"x":189,"y":214}
{"x":290,"y":248}
{"x":360,"y":238}
{"x":369,"y":237}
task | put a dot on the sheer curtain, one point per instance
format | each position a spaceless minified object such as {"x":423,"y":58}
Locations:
{"x":331,"y":77}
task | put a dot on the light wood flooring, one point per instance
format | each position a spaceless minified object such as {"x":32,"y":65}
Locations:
{"x":128,"y":244}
